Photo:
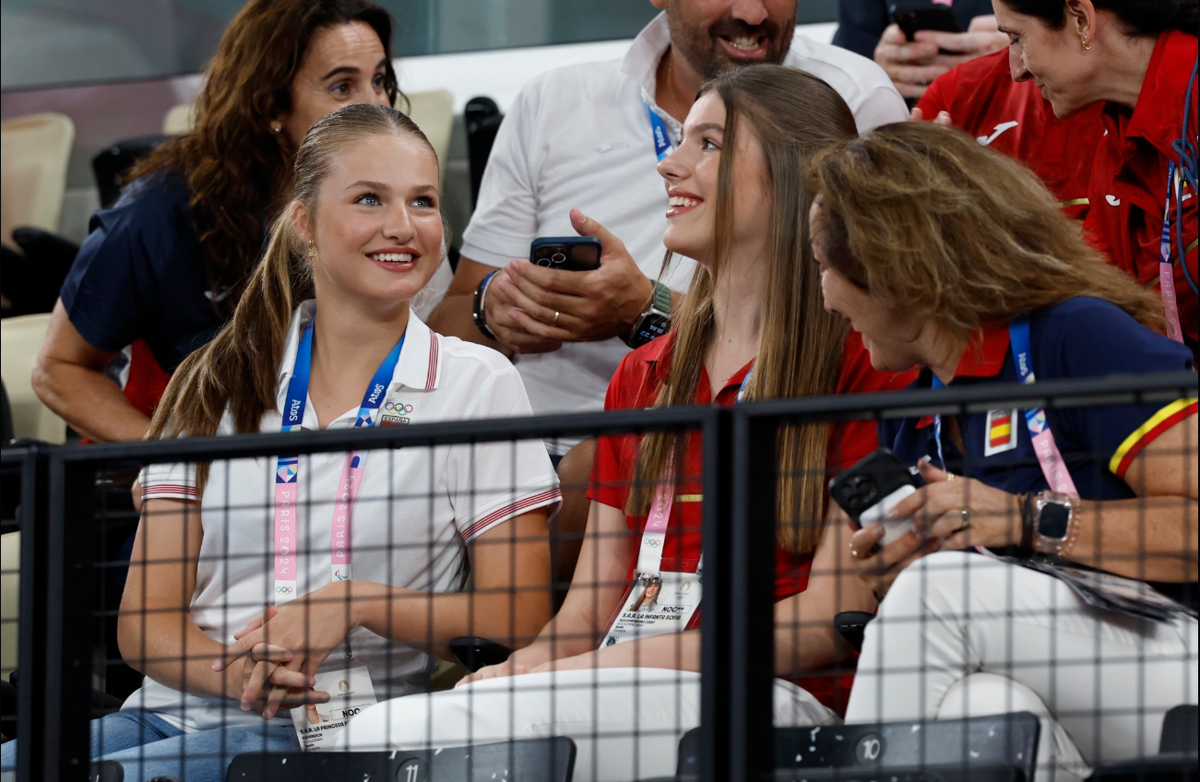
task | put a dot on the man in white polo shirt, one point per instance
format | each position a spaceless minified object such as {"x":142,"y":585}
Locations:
{"x":589,"y":137}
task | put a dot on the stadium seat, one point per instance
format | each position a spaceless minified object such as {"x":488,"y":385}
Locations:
{"x":433,"y":112}
{"x":112,"y":163}
{"x":482,"y":118}
{"x":1177,"y":759}
{"x":20,"y":340}
{"x":34,"y":151}
{"x":526,"y":760}
{"x":179,"y":119}
{"x":1003,"y":746}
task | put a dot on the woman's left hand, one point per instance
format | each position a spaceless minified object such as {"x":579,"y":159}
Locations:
{"x":309,"y":628}
{"x":962,"y":512}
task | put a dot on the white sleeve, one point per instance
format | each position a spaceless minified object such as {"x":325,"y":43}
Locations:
{"x":169,"y":481}
{"x":492,"y":482}
{"x":505,"y":219}
{"x":881,"y":105}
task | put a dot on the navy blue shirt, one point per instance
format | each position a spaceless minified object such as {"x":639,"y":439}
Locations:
{"x":141,"y":274}
{"x":1081,"y":337}
{"x":861,"y":22}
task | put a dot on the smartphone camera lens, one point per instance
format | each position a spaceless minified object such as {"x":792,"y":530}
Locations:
{"x":558,"y":257}
{"x":862,"y":492}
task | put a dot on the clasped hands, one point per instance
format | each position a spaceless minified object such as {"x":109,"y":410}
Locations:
{"x":272,"y":664}
{"x":535,"y":310}
{"x":950,"y":513}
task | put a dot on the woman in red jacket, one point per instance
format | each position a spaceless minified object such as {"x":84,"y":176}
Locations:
{"x":1138,"y":57}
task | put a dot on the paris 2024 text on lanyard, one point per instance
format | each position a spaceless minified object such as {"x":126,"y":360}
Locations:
{"x":349,"y":685}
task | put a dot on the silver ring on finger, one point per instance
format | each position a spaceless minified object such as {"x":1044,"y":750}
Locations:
{"x":556,"y":314}
{"x":966,"y":518}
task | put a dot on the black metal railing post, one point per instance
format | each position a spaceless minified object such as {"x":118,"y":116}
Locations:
{"x":68,"y":648}
{"x":717,"y":718}
{"x":31,"y":515}
{"x":752,"y":581}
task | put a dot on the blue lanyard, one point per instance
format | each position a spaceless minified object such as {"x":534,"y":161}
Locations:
{"x":658,"y":129}
{"x":297,"y":396}
{"x":937,"y":426}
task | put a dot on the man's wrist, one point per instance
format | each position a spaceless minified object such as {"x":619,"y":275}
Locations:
{"x":647,"y":299}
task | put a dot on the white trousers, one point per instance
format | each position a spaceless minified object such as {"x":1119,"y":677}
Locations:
{"x":962,"y":635}
{"x":626,"y":722}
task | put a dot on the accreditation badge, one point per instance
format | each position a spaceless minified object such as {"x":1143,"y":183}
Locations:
{"x":656,"y":604}
{"x":350,"y":692}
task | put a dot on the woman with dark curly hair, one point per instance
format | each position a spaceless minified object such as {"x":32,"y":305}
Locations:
{"x":168,"y":262}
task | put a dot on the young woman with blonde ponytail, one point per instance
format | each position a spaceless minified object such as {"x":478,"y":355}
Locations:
{"x":229,"y":645}
{"x":625,"y":682}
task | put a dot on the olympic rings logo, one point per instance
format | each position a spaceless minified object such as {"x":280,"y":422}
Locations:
{"x":398,"y":407}
{"x":284,"y":590}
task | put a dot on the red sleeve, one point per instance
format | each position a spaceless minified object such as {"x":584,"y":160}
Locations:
{"x":612,"y":466}
{"x":939,"y":96}
{"x":851,"y":440}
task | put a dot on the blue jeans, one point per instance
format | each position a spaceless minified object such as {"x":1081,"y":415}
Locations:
{"x":148,"y":746}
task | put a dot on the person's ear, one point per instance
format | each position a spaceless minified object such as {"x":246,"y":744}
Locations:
{"x":301,"y":222}
{"x":1081,"y":21}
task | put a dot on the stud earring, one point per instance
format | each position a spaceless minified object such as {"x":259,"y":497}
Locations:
{"x":276,"y":128}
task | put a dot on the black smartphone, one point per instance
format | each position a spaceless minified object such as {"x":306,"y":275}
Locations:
{"x":923,"y":15}
{"x":871,"y":488}
{"x":573,"y":253}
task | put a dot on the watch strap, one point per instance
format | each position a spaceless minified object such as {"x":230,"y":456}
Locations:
{"x":661,"y":300}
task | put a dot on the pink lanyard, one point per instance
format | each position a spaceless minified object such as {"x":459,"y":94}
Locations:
{"x":287,"y":473}
{"x":655,"y":533}
{"x":1166,"y":269}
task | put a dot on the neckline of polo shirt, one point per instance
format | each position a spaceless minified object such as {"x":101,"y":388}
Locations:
{"x":1158,"y":115}
{"x":983,"y":358}
{"x":641,"y":60}
{"x":412,"y":370}
{"x":658,"y":357}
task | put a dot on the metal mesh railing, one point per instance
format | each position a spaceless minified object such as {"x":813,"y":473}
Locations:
{"x":952,"y":664}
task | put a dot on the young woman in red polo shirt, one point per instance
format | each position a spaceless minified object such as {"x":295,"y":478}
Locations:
{"x":1137,"y":57}
{"x":617,"y":670}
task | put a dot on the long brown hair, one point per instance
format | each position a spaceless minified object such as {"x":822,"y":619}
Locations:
{"x":793,"y":115}
{"x":239,"y":369}
{"x":234,"y":167}
{"x":934,"y":223}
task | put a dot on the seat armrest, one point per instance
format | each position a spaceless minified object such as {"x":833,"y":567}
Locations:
{"x":475,"y":653}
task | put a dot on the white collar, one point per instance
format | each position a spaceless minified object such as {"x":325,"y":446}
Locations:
{"x":648,"y":48}
{"x":418,"y":368}
{"x":646,"y":51}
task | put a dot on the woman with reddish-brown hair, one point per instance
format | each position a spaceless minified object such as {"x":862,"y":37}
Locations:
{"x":168,"y":262}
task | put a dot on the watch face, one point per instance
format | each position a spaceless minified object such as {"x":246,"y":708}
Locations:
{"x":1053,"y":520}
{"x":652,"y":327}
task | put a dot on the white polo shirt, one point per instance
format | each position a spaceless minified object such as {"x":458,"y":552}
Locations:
{"x":416,"y":511}
{"x":579,"y":136}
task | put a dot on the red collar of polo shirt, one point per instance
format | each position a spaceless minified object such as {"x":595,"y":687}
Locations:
{"x":984,"y":357}
{"x":658,"y":356}
{"x":1158,"y":115}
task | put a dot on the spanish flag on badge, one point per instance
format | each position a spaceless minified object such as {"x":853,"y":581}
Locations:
{"x":1001,"y":432}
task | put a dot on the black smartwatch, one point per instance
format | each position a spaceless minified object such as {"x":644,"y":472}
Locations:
{"x":1051,"y":514}
{"x":655,"y":321}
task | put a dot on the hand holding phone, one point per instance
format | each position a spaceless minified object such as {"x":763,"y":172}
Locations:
{"x":870,"y":489}
{"x":912,"y":16}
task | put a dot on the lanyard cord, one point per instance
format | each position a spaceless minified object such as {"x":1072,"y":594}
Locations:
{"x":1188,"y":168}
